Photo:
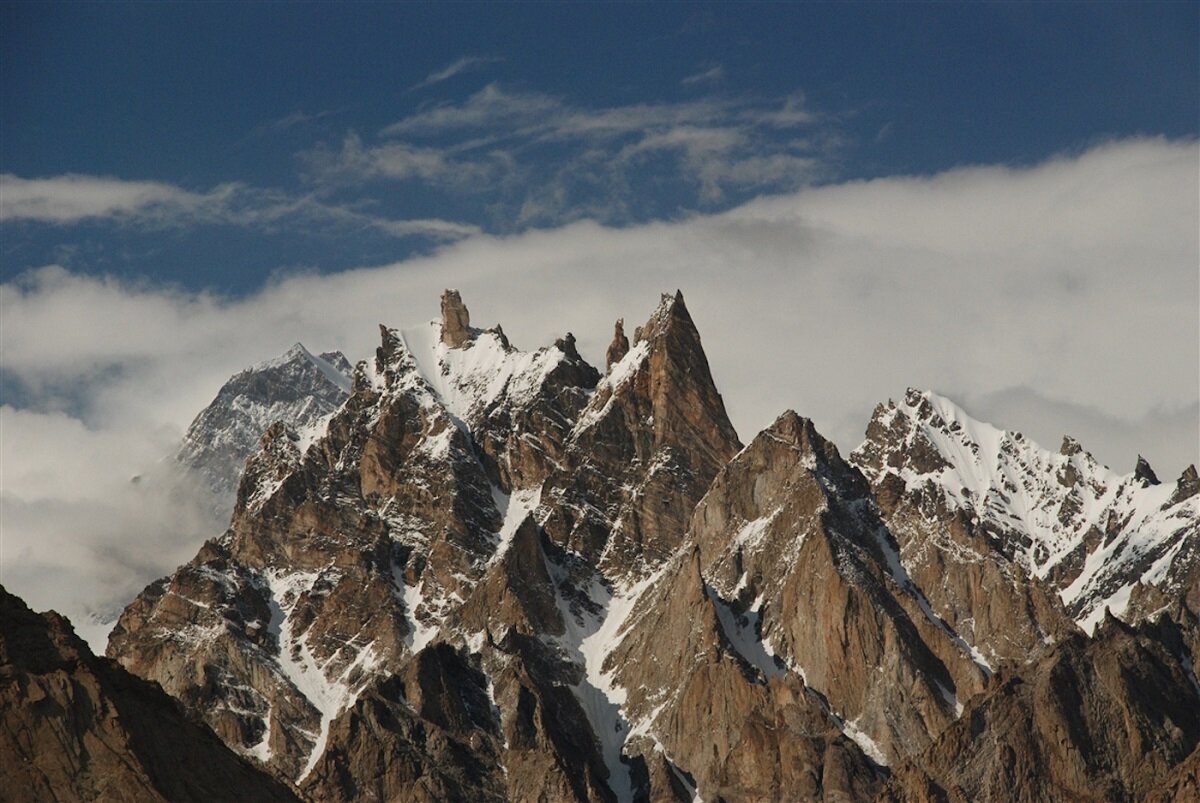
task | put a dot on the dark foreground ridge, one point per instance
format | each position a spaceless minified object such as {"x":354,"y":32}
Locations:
{"x":78,"y":727}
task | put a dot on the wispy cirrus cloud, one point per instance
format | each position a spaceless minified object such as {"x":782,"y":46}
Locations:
{"x":493,"y":108}
{"x":547,"y":160}
{"x":72,"y":198}
{"x":457,"y":67}
{"x":295,"y":119}
{"x":401,"y":161}
{"x":710,"y":76}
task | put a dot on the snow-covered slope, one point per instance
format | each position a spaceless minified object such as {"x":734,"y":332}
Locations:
{"x":297,"y":387}
{"x":469,"y":381}
{"x":1064,"y":517}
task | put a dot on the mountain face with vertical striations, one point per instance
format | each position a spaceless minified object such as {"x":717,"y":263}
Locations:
{"x":495,"y":574}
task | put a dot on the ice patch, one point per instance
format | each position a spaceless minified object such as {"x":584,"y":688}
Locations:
{"x":419,"y":634}
{"x":311,"y":433}
{"x":589,"y":638}
{"x":743,"y":634}
{"x":298,"y":665}
{"x":262,"y":749}
{"x":515,"y":509}
{"x":865,"y":742}
{"x":752,"y":532}
{"x":620,"y":373}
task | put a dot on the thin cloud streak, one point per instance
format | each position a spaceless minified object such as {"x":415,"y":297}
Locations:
{"x":70,"y":199}
{"x":462,"y":65}
{"x":712,"y":75}
{"x":294,"y":120}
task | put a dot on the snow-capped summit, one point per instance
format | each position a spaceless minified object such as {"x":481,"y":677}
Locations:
{"x":297,"y":387}
{"x":1062,"y":516}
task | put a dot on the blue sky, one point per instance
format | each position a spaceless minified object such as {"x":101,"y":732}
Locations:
{"x":301,"y":113}
{"x":997,"y":202}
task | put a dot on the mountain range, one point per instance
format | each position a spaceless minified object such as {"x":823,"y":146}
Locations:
{"x":462,"y":571}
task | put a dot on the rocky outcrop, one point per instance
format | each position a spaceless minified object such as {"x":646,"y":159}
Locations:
{"x":77,"y":727}
{"x":643,"y":451}
{"x":619,"y":346}
{"x":1094,"y":719}
{"x":456,"y":320}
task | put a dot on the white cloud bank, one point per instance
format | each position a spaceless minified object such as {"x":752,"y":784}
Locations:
{"x":1058,"y":298}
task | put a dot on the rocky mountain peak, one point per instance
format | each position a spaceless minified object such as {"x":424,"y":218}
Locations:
{"x":456,"y":320}
{"x":799,"y":432}
{"x":1060,"y":516}
{"x":1069,"y":446}
{"x":392,"y":354}
{"x":896,"y":440}
{"x":566,"y":344}
{"x":297,"y":387}
{"x":619,"y":346}
{"x":651,"y":438}
{"x":1187,"y":486}
{"x":1144,"y":473}
{"x":682,"y":381}
{"x":671,"y":311}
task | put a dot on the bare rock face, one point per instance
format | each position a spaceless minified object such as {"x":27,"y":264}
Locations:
{"x":643,"y":451}
{"x":789,"y":534}
{"x":518,"y":591}
{"x":619,"y":346}
{"x":456,"y":320}
{"x":1182,"y":784}
{"x":1100,"y":719}
{"x":730,"y":725}
{"x":427,"y":734}
{"x":78,"y":727}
